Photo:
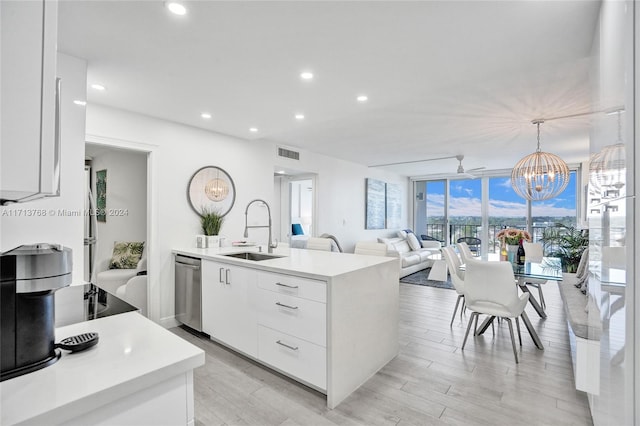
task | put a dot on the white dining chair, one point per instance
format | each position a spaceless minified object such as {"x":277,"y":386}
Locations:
{"x":489,"y":289}
{"x":457,"y":277}
{"x":371,"y":248}
{"x":314,"y":243}
{"x":465,"y":251}
{"x":533,"y":252}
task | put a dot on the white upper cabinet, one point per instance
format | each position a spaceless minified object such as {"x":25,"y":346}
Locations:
{"x":30,"y":99}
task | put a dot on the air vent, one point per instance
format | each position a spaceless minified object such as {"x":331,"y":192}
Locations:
{"x":287,"y":153}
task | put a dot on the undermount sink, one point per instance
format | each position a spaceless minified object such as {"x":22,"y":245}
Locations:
{"x":251,"y":255}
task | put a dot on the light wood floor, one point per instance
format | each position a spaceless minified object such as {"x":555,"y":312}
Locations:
{"x":431,"y":381}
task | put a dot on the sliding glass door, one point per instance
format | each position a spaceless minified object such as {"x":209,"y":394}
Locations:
{"x":430,"y":212}
{"x":506,"y":210}
{"x":448,"y":210}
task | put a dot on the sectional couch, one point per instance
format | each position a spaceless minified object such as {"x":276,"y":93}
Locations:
{"x":414,"y":254}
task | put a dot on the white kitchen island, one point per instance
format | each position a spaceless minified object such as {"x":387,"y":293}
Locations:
{"x":137,"y":374}
{"x":329,"y":320}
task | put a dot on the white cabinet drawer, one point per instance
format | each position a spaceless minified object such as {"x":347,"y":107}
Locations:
{"x":294,"y":286}
{"x":299,"y":317}
{"x":299,"y":358}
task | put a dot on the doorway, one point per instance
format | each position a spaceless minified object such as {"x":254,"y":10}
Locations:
{"x":296,"y":193}
{"x":117,"y":179}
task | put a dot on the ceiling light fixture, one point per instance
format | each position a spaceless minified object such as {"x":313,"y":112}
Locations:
{"x":540,"y":175}
{"x":205,"y":115}
{"x":98,"y":87}
{"x":299,"y":116}
{"x":176,"y":8}
{"x":306,"y":75}
{"x":253,"y":130}
{"x":362,"y":98}
{"x":79,"y":102}
{"x":608,"y":168}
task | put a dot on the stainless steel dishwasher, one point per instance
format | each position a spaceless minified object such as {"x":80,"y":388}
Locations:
{"x":188,"y":284}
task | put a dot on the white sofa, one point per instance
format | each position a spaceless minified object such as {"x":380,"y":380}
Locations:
{"x":412,"y":259}
{"x":111,"y":279}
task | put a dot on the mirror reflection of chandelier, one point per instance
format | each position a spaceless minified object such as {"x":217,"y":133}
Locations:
{"x":607,"y":168}
{"x":216,"y":189}
{"x":540,"y":175}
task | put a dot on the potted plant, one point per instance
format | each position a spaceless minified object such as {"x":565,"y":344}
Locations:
{"x":211,"y":221}
{"x":566,"y":243}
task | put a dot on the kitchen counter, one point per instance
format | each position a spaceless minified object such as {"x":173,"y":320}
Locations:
{"x":138,"y":373}
{"x":328,"y":320}
{"x":309,"y":263}
{"x":78,"y":303}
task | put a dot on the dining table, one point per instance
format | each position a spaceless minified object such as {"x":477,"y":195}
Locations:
{"x":538,"y":270}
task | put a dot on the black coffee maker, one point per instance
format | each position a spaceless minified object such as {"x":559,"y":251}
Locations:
{"x":29,"y":276}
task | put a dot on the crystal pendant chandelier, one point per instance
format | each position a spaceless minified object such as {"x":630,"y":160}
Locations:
{"x":540,"y":175}
{"x":607,"y":169}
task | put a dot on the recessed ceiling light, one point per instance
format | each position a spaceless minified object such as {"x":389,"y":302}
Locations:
{"x":306,"y":75}
{"x":78,"y":102}
{"x":253,"y":130}
{"x":176,"y":8}
{"x":299,"y":116}
{"x":205,"y":115}
{"x":99,"y":87}
{"x":362,"y":98}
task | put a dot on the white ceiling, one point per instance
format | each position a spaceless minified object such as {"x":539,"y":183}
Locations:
{"x":443,"y":77}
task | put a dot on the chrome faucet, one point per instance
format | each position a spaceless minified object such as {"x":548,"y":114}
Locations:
{"x":270,"y":244}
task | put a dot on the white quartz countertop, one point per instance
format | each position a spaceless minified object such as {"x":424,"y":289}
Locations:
{"x":311,"y":263}
{"x":132,"y":354}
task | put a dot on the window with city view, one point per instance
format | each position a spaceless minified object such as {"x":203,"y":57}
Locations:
{"x":461,"y":208}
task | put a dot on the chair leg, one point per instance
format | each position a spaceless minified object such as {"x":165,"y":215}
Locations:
{"x":513,"y":340}
{"x":542,"y":303}
{"x":518,"y":328}
{"x":464,"y":305}
{"x":475,"y":327}
{"x":473,"y":314}
{"x":455,"y":309}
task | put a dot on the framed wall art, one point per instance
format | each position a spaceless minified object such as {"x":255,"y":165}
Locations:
{"x":375,"y":215}
{"x":101,"y":195}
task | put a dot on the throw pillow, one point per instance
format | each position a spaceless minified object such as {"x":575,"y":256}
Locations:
{"x":126,"y":255}
{"x":413,"y":241}
{"x":402,"y":234}
{"x":296,"y":229}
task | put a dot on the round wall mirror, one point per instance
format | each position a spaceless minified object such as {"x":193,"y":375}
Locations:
{"x":211,"y":188}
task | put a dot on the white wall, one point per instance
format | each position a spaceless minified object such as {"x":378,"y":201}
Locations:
{"x":126,"y":218}
{"x":178,"y":151}
{"x":340,"y":195}
{"x":62,"y":219}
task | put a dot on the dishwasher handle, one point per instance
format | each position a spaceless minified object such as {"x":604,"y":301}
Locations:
{"x":186,"y":265}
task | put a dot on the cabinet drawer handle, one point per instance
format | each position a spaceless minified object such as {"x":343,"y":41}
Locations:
{"x":288,"y":286}
{"x":293,"y":348}
{"x":227,"y":276}
{"x":286,"y":306}
{"x":221,"y":279}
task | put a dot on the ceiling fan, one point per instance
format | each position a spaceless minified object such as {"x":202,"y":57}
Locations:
{"x":461,"y":172}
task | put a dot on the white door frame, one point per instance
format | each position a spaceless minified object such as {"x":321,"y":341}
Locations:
{"x":153,"y":260}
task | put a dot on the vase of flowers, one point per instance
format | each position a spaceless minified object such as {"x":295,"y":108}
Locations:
{"x":511,"y":237}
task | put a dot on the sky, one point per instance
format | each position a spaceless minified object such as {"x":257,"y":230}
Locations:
{"x":465,"y":199}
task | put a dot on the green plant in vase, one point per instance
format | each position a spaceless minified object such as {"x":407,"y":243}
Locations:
{"x":566,"y":243}
{"x":211,"y":221}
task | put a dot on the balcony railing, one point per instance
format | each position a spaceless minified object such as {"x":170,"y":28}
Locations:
{"x":437,"y":231}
